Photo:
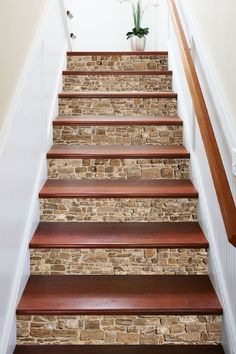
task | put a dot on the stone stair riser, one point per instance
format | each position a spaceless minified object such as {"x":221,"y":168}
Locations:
{"x":118,"y":168}
{"x":118,"y":106}
{"x":66,"y":261}
{"x":155,"y":329}
{"x":117,"y":83}
{"x":130,"y":135}
{"x":116,"y":62}
{"x":119,"y":209}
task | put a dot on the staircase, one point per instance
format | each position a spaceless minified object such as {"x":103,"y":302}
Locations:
{"x":118,"y":261}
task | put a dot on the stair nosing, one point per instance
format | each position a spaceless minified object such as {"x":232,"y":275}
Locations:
{"x":117,"y":94}
{"x":119,"y":349}
{"x":117,"y":73}
{"x":118,"y":151}
{"x":119,"y":53}
{"x":120,"y":188}
{"x":139,"y":312}
{"x":106,"y":120}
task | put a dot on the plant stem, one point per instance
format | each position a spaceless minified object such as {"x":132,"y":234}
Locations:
{"x":134,"y":15}
{"x":138,"y":15}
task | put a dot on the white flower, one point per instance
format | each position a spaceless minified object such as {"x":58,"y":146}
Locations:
{"x":145,"y":4}
{"x":148,"y":3}
{"x":139,"y":7}
{"x":122,"y":1}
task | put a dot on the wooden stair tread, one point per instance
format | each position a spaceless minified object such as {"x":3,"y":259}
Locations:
{"x":117,"y":73}
{"x":127,"y":294}
{"x":117,"y":94}
{"x":119,"y":349}
{"x":118,"y":189}
{"x":117,"y":120}
{"x":118,"y":235}
{"x":117,"y":151}
{"x":103,"y":53}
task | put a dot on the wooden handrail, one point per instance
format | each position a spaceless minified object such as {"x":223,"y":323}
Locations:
{"x":222,"y":187}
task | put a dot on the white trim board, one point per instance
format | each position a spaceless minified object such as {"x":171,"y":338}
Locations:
{"x":25,"y":140}
{"x":209,"y":212}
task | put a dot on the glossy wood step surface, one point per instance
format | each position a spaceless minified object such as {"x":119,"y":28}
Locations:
{"x":117,"y":120}
{"x":118,"y":189}
{"x":134,"y":94}
{"x":119,"y":349}
{"x":118,"y":235}
{"x":117,"y":151}
{"x":117,"y":73}
{"x":128,"y":294}
{"x":129,"y":53}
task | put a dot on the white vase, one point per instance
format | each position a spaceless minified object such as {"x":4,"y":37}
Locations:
{"x":138,"y":44}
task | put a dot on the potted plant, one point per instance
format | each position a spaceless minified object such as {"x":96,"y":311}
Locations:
{"x":138,"y":33}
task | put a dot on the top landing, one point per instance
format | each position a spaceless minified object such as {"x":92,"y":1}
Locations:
{"x":129,"y":53}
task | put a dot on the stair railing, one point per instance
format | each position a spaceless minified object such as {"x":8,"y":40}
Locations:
{"x":221,"y":184}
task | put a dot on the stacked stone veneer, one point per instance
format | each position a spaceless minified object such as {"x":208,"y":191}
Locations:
{"x":119,"y":209}
{"x":118,"y":261}
{"x":118,"y":106}
{"x":118,"y":168}
{"x":116,"y":62}
{"x":119,"y":329}
{"x":117,"y":83}
{"x":121,"y":135}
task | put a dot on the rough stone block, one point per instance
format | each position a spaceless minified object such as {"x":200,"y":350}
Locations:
{"x":120,"y":330}
{"x":113,"y":135}
{"x":118,"y":62}
{"x":117,"y":83}
{"x":119,"y":262}
{"x":119,"y":209}
{"x":118,"y":168}
{"x":118,"y":106}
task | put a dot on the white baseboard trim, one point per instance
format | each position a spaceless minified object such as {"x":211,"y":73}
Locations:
{"x":54,"y":108}
{"x":217,"y":275}
{"x":205,"y":213}
{"x":23,"y":269}
{"x":22,"y":274}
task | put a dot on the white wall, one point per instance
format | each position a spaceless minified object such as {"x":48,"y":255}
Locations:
{"x":222,"y":255}
{"x":215,"y":20}
{"x":19,"y":21}
{"x":102,"y":25}
{"x":25,"y":139}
